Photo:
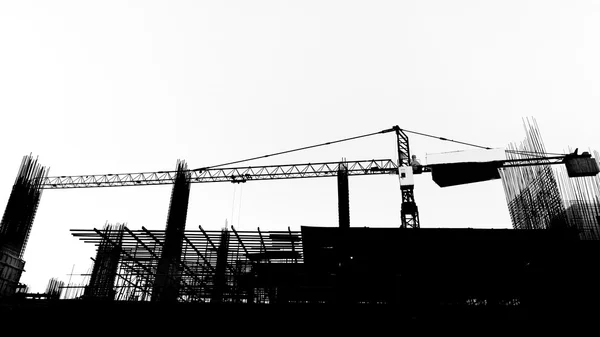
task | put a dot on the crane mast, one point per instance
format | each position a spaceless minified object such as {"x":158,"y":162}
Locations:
{"x":409,"y":212}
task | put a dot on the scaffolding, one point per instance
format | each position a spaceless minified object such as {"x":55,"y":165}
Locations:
{"x":332,"y":265}
{"x":226,"y":266}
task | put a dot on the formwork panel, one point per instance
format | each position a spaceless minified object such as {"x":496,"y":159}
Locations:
{"x":11,"y":268}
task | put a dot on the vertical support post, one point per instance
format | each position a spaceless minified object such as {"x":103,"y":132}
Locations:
{"x":342,"y":292}
{"x":17,"y":222}
{"x":409,"y":212}
{"x":220,"y":277}
{"x":22,"y":206}
{"x":104,"y":272}
{"x":343,"y":196}
{"x":168,"y":274}
{"x":247,"y":277}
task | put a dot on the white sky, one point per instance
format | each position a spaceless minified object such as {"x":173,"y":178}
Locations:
{"x":129,"y":86}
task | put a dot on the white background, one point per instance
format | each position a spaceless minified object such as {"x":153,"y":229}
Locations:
{"x":130,"y":86}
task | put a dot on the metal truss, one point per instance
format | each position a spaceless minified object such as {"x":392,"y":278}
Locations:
{"x":535,"y":161}
{"x":409,"y":213}
{"x":234,"y":175}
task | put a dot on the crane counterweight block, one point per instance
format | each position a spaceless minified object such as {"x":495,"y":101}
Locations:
{"x":453,"y":174}
{"x":581,"y":166}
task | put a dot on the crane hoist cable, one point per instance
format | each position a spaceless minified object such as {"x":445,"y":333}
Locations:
{"x":537,"y":154}
{"x":483,"y":147}
{"x":446,"y":139}
{"x":233,"y":203}
{"x":293,"y":150}
{"x":240,"y":206}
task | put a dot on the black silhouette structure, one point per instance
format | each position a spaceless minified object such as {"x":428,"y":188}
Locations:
{"x":332,"y":265}
{"x":166,"y":285}
{"x":395,"y":274}
{"x":102,"y":279}
{"x":531,"y":272}
{"x":17,"y":221}
{"x":343,"y":196}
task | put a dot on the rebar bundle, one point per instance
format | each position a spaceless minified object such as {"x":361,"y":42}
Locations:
{"x":103,"y":276}
{"x":532,"y":192}
{"x":54,"y":288}
{"x":166,"y":286}
{"x":220,"y":277}
{"x":22,"y":206}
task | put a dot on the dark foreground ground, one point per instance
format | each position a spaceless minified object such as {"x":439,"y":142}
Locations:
{"x":146,"y":317}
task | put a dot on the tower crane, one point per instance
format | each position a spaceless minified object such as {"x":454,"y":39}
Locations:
{"x":405,"y":167}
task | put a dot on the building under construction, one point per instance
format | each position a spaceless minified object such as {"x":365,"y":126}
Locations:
{"x":544,"y":265}
{"x":544,"y":196}
{"x":17,"y":221}
{"x":450,"y":267}
{"x":441,"y":274}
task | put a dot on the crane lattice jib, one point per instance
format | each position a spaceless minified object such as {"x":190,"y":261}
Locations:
{"x":234,"y":175}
